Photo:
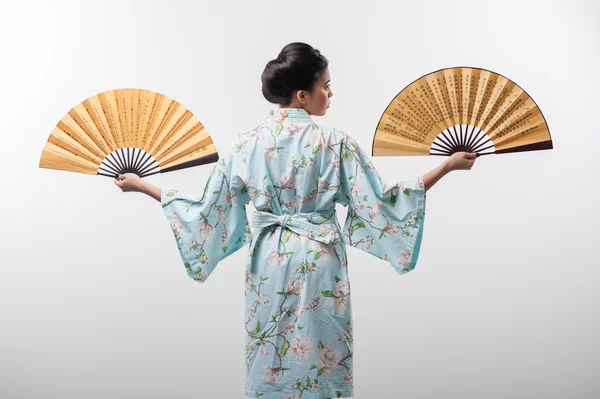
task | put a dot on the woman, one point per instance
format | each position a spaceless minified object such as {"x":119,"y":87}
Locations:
{"x":298,"y":307}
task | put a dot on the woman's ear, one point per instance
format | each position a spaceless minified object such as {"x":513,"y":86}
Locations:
{"x":301,"y":96}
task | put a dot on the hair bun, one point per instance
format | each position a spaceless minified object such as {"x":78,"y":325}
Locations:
{"x":297,"y":67}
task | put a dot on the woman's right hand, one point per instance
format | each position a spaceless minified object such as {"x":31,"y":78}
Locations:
{"x":130,"y":182}
{"x":461,"y":160}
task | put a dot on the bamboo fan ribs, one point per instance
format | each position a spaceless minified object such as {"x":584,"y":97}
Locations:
{"x":128,"y":130}
{"x":461,"y":109}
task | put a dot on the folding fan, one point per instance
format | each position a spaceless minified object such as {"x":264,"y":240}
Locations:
{"x":461,"y":109}
{"x":128,"y":130}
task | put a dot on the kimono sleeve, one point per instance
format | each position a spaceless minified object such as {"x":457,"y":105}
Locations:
{"x":209,"y":228}
{"x":385,"y":221}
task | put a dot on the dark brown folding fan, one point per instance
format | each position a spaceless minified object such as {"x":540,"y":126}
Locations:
{"x":128,"y":130}
{"x":461,"y":109}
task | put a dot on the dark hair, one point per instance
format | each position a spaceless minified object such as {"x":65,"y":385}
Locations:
{"x":297,"y":67}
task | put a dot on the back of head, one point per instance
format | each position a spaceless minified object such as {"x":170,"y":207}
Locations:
{"x":297,"y":67}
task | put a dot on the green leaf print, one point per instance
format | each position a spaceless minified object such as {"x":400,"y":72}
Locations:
{"x":286,"y":236}
{"x":318,"y":255}
{"x":328,"y":294}
{"x":406,"y":192}
{"x":316,"y":149}
{"x":278,"y":130}
{"x":393,"y":201}
{"x":257,"y":329}
{"x":345,"y":154}
{"x":321,"y":345}
{"x":321,"y":371}
{"x":284,"y":348}
{"x":357,"y":226}
{"x":337,"y":279}
{"x":314,"y":366}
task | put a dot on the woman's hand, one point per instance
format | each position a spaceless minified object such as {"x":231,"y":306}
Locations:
{"x":457,"y":161}
{"x":130,"y":182}
{"x":461,"y":160}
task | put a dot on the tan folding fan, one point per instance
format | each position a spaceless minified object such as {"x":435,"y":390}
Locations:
{"x":461,"y":109}
{"x":128,"y":130}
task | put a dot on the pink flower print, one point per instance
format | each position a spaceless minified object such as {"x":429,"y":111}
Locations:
{"x":205,"y":230}
{"x":375,"y":211}
{"x":340,"y":302}
{"x":295,"y":202}
{"x":203,"y":276}
{"x":295,"y":287}
{"x":314,"y":385}
{"x":325,"y":250}
{"x":295,"y":128}
{"x":251,"y":311}
{"x":221,"y":215}
{"x":324,"y":184}
{"x":253,"y":194}
{"x":262,"y":350}
{"x":403,"y":259}
{"x":262,"y":299}
{"x":289,"y":181}
{"x":175,"y":223}
{"x":369,"y":243}
{"x":391,"y":228}
{"x":275,"y":259}
{"x":270,"y":375}
{"x":228,"y":198}
{"x":360,"y":205}
{"x":289,"y":328}
{"x":301,"y":348}
{"x":355,"y":191}
{"x":269,"y":154}
{"x":248,"y":287}
{"x":348,"y":377}
{"x":342,"y":286}
{"x":328,"y":359}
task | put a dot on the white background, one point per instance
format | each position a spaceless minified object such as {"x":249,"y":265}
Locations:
{"x":504,"y":302}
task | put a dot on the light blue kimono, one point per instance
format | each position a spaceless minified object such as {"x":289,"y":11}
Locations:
{"x":298,"y":318}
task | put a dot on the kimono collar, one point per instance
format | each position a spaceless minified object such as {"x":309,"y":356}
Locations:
{"x":289,"y":115}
